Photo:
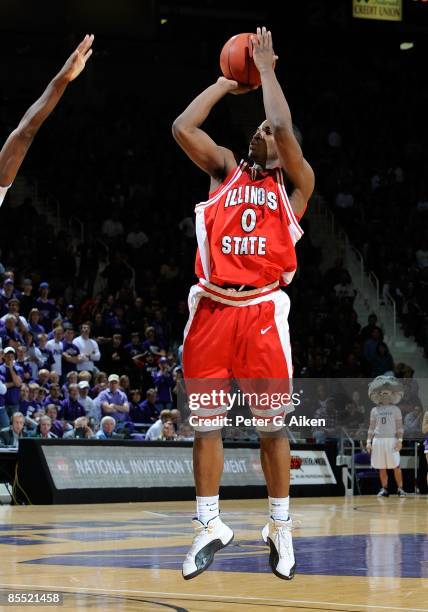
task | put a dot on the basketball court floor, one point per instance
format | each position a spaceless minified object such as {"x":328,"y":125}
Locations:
{"x":360,"y":553}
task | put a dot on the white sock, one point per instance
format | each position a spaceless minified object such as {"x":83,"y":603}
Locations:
{"x":207,"y":508}
{"x":278,"y":508}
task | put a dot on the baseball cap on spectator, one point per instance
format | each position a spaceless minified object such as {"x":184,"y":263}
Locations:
{"x":14,"y":299}
{"x":70,"y":307}
{"x":8,"y":281}
{"x":44,"y":285}
{"x":9,"y":317}
{"x":113,"y":378}
{"x":9,"y":349}
{"x":163,"y":360}
{"x":27,"y":281}
{"x":83,"y":384}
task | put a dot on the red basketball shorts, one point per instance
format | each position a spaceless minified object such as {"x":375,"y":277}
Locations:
{"x":241,"y":335}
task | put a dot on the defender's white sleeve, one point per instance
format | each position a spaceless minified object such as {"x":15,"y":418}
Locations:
{"x":3,"y":191}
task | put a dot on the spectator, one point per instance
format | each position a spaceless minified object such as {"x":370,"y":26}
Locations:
{"x":366,"y":332}
{"x":13,"y":309}
{"x":106,"y":431}
{"x":71,"y":356}
{"x":100,"y":384}
{"x":382,"y":362}
{"x":164,"y":382}
{"x":54,"y":396}
{"x":146,"y":411}
{"x":134,"y":347}
{"x":34,"y":323}
{"x":3,"y":414}
{"x":113,"y":401}
{"x":72,"y":378}
{"x":71,"y":408}
{"x":152,"y":343}
{"x":413,"y":422}
{"x":22,"y":362}
{"x":155,"y":430}
{"x":91,"y":408}
{"x":89,"y":349}
{"x":44,"y":429}
{"x":13,"y":377}
{"x":124,"y":384}
{"x":48,"y":310}
{"x":35,"y":358}
{"x":46,"y":354}
{"x":168,"y":432}
{"x":9,"y":335}
{"x":9,"y":436}
{"x":56,"y":425}
{"x":81,"y":430}
{"x":26,"y":298}
{"x":55,"y":349}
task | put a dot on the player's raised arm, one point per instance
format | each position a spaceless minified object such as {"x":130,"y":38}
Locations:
{"x":279,"y":117}
{"x":19,"y":141}
{"x":217,"y":161}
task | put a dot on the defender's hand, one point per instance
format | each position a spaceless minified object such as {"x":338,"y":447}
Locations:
{"x":234,"y":87}
{"x":77,"y":60}
{"x":263,"y":54}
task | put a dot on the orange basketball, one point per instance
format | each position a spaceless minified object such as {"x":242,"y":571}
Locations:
{"x":236,"y":60}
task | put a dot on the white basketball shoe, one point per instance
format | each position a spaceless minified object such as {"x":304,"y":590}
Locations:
{"x":277,"y":535}
{"x":207,"y":541}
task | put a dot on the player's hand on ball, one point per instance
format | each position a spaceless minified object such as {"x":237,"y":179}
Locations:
{"x":77,"y":60}
{"x":234,"y":87}
{"x":263,"y":54}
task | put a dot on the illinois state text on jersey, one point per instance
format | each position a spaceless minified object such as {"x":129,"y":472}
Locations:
{"x":247,"y":230}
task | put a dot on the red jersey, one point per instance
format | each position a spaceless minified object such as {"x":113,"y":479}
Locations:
{"x":247,"y":230}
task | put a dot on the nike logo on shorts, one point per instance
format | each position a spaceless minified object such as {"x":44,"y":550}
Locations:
{"x":265,"y":329}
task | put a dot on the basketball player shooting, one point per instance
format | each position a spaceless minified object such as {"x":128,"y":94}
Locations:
{"x":246,"y":233}
{"x":16,"y":146}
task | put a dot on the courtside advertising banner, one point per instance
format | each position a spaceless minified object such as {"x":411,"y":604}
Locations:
{"x":85,"y":467}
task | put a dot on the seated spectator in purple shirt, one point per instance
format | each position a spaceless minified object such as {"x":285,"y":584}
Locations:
{"x":113,"y":401}
{"x":24,"y":401}
{"x":43,"y":378}
{"x":71,"y":379}
{"x":6,"y":294}
{"x":22,"y":362}
{"x":164,"y":382}
{"x":47,"y":308}
{"x":13,"y":377}
{"x":134,"y":347}
{"x":71,"y":408}
{"x":9,"y":335}
{"x":33,"y":324}
{"x":144,"y":412}
{"x":56,"y":428}
{"x":34,"y":408}
{"x":54,"y":396}
{"x":152,"y":342}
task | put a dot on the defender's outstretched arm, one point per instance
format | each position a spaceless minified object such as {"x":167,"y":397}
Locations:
{"x":19,"y":141}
